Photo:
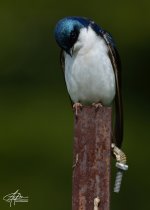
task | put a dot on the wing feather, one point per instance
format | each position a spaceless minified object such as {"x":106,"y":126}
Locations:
{"x":62,"y":62}
{"x":115,"y":60}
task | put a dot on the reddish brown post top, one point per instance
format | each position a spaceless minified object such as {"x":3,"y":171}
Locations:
{"x":92,"y":151}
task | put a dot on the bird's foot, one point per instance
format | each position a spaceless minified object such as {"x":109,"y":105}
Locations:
{"x":76,"y":106}
{"x":97,"y":105}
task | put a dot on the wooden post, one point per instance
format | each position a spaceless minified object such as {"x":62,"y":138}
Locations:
{"x":92,"y":152}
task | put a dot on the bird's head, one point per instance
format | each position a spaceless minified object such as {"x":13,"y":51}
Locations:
{"x":67,"y":31}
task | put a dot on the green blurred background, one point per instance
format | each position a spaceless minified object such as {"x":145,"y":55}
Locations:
{"x":36,"y":121}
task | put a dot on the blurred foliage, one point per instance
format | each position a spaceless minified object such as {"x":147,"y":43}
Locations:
{"x":36,"y":120}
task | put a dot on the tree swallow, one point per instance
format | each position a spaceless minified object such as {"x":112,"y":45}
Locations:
{"x":91,"y":66}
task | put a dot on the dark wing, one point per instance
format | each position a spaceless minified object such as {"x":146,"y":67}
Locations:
{"x":115,"y":60}
{"x":62,"y":62}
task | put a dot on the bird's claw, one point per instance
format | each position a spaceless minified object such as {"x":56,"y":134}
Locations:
{"x":97,"y":105}
{"x":76,"y":106}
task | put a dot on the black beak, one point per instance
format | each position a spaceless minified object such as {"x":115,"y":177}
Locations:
{"x":70,"y":51}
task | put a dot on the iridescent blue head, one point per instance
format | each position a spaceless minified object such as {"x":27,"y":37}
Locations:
{"x":67,"y":31}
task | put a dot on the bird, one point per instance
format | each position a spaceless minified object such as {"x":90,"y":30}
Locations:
{"x":91,"y":66}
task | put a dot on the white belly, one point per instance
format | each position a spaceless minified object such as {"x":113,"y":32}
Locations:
{"x":89,"y":75}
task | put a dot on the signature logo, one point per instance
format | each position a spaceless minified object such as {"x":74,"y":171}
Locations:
{"x":15,"y":197}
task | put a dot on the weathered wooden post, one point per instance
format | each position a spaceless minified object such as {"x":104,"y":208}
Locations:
{"x":92,"y":153}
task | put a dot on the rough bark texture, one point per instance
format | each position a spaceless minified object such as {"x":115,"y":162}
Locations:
{"x":91,"y":170}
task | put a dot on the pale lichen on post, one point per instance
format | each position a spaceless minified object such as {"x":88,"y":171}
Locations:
{"x":96,"y":203}
{"x":76,"y":161}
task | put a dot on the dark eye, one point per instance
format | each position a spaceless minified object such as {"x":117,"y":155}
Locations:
{"x":73,"y":36}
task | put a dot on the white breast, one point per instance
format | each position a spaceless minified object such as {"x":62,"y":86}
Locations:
{"x":89,"y":73}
